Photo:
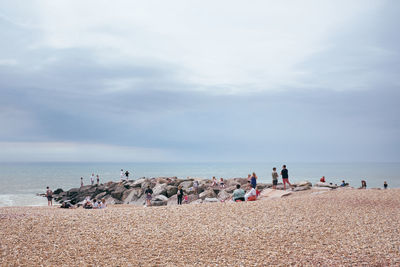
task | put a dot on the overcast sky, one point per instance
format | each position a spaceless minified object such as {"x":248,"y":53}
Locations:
{"x":203,"y":80}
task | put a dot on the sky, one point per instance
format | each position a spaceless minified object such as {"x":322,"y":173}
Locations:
{"x":199,"y":81}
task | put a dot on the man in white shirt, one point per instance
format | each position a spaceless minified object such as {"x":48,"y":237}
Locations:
{"x":92,"y":179}
{"x":250,"y":193}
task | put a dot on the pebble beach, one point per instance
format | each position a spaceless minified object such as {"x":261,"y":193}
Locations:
{"x":343,"y":227}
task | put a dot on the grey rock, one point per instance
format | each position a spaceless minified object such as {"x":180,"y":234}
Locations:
{"x":209,"y":200}
{"x":207,"y":194}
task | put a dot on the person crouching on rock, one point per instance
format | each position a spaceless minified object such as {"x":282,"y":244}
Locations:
{"x":179,"y":195}
{"x":148,"y":193}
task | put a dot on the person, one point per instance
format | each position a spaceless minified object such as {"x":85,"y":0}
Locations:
{"x":148,"y":194}
{"x":248,"y":177}
{"x":103,"y":204}
{"x":81,"y":181}
{"x":285,"y":177}
{"x":251,"y":195}
{"x":127,"y":175}
{"x":66,"y":205}
{"x":221,"y":182}
{"x":179,"y":195}
{"x":275,"y":176}
{"x":95,"y":204}
{"x":196,"y":187}
{"x":92,"y":179}
{"x":214,"y":181}
{"x":122,"y":175}
{"x":363,"y":184}
{"x":238,"y":194}
{"x":186,"y":199}
{"x":322,"y":180}
{"x":385,"y":185}
{"x":87,"y":204}
{"x":343,"y":183}
{"x":253,"y":180}
{"x":98,"y":179}
{"x":49,"y":195}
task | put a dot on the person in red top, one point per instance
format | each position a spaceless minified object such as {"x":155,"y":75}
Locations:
{"x":322,"y":180}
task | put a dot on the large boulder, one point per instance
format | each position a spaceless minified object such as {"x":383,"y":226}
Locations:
{"x":230,"y":189}
{"x":171,"y":190}
{"x":138,"y":183}
{"x":100,"y":195}
{"x":58,"y":191}
{"x":72,"y":192}
{"x":159,"y":200}
{"x":302,"y":183}
{"x":320,"y":184}
{"x":118,"y":192}
{"x":272,"y":193}
{"x":160,"y":189}
{"x":207,"y":194}
{"x":301,"y":188}
{"x":209,"y":200}
{"x":198,"y":201}
{"x":172,"y":201}
{"x":132,"y":195}
{"x":223,"y":195}
{"x":186,"y":185}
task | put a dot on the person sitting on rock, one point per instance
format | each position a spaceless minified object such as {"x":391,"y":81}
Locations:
{"x":88,"y":205}
{"x":385,"y":185}
{"x":251,"y":195}
{"x":363,"y":184}
{"x":343,"y":184}
{"x":221,"y":183}
{"x":238,"y":194}
{"x":95,"y":204}
{"x":148,"y":194}
{"x":322,"y":180}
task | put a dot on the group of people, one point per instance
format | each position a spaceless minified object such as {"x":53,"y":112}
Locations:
{"x":92,"y":179}
{"x":124,"y":175}
{"x":363,"y":183}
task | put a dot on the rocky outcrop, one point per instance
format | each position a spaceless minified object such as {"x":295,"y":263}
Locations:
{"x":165,"y":190}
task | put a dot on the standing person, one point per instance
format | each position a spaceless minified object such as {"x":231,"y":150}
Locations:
{"x":275,"y":176}
{"x":49,"y":195}
{"x":98,"y":179}
{"x":214,"y":181}
{"x":285,"y":177}
{"x":81,"y":181}
{"x":363,"y":184}
{"x":122,"y":175}
{"x":322,"y":180}
{"x":92,"y":179}
{"x":196,"y":187}
{"x":248,"y":177}
{"x":180,"y":195}
{"x":385,"y":185}
{"x":253,"y":180}
{"x":148,"y":193}
{"x":127,"y":175}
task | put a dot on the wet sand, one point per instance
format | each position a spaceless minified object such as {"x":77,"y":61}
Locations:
{"x":339,"y":227}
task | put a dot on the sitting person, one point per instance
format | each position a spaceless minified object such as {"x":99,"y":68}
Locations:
{"x":67,"y":205}
{"x":103,"y":204}
{"x":238,"y":194}
{"x":322,"y":180}
{"x":363,"y":184}
{"x":88,"y":205}
{"x":343,"y":184}
{"x":251,"y":195}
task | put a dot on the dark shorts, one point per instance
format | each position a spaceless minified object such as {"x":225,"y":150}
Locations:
{"x":274,"y":182}
{"x":239,"y":198}
{"x":148,"y":197}
{"x":49,"y":198}
{"x":254,"y":185}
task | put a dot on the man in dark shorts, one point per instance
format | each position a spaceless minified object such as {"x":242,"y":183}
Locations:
{"x":148,"y":194}
{"x":49,"y":195}
{"x":285,"y":177}
{"x":275,"y":176}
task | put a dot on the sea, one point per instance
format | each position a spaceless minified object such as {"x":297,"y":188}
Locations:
{"x":21,"y":182}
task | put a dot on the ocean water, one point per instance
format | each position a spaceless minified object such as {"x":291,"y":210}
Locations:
{"x":20,"y":182}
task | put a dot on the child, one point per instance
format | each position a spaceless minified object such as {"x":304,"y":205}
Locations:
{"x":186,"y":199}
{"x":221,"y":182}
